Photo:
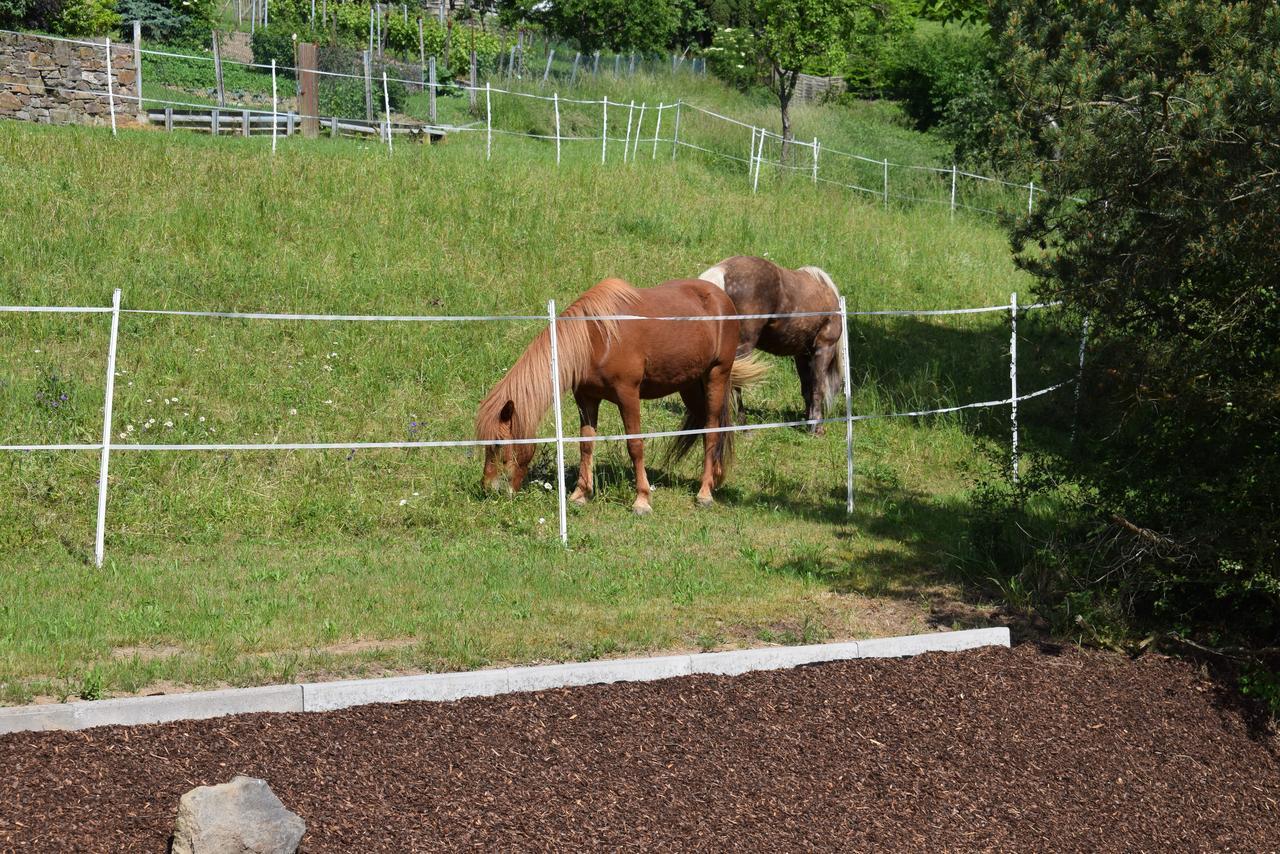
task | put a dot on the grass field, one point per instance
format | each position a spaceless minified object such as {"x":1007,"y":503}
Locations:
{"x":240,"y":568}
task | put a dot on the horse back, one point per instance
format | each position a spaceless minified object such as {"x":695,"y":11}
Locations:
{"x":759,"y":286}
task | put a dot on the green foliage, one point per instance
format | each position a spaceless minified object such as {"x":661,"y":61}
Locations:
{"x":873,"y":32}
{"x":1263,"y":685}
{"x":61,"y":17}
{"x":85,"y":18}
{"x":1159,"y":119}
{"x":734,"y":57}
{"x":276,"y":42}
{"x":618,"y":25}
{"x":955,"y":11}
{"x":185,"y":23}
{"x":345,"y":97}
{"x":927,"y":72}
{"x":197,"y":73}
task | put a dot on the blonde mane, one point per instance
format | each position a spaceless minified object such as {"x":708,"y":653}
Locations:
{"x":528,"y":384}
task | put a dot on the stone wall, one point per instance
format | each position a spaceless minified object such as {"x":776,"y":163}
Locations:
{"x":60,"y":82}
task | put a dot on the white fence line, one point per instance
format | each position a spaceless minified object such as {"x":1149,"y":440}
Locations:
{"x":106,"y":446}
{"x":755,"y":161}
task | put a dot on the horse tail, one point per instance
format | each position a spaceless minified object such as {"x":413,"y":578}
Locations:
{"x":833,"y":381}
{"x":747,"y":372}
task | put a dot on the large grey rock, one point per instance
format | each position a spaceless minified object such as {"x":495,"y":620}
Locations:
{"x":240,"y":817}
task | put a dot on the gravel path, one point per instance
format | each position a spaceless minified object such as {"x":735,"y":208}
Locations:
{"x":991,"y":749}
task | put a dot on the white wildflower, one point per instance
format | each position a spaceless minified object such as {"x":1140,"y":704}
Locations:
{"x":168,"y":424}
{"x":293,"y":411}
{"x":404,"y":501}
{"x":201,"y":419}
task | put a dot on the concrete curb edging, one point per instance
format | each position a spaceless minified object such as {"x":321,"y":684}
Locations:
{"x":440,"y":687}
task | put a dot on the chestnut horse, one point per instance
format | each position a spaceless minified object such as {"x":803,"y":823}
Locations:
{"x":759,"y":286}
{"x":624,"y":362}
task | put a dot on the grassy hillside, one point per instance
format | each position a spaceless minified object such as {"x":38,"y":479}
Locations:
{"x":250,"y":567}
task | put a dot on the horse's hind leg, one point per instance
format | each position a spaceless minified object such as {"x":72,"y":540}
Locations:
{"x":811,"y":389}
{"x":718,"y":385}
{"x":588,"y":413}
{"x":629,"y":406}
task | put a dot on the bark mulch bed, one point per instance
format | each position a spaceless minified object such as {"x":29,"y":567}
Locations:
{"x":991,"y":749}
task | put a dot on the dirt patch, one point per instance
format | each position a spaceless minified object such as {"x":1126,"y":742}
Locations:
{"x":992,"y":749}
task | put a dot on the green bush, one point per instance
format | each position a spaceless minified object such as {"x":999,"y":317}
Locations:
{"x":344,"y":97}
{"x":277,"y":42}
{"x":734,"y":57}
{"x":186,"y":23}
{"x":61,"y":17}
{"x":926,"y":73}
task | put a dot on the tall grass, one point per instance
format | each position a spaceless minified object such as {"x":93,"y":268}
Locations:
{"x":259,"y":566}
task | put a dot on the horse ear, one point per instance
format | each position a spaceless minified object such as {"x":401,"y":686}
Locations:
{"x":508,"y":410}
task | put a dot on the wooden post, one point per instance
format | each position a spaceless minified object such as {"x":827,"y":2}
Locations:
{"x":471,"y":93}
{"x":168,"y":118}
{"x":333,"y":127}
{"x":511,"y":63}
{"x":290,"y":123}
{"x":595,"y":64}
{"x":431,"y":88}
{"x":309,"y":101}
{"x":573,"y":78}
{"x":217,"y":71}
{"x":368,"y":87}
{"x":137,"y":67}
{"x":215,"y":120}
{"x":244,"y":123}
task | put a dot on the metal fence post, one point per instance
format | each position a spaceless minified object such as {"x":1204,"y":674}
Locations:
{"x":488,"y":124}
{"x":386,"y":103}
{"x":1013,"y":377}
{"x":431,"y":98}
{"x":848,"y":403}
{"x":886,"y":183}
{"x":604,"y":134}
{"x":816,"y":148}
{"x":1075,"y":413}
{"x":105,"y":460}
{"x":1031,"y":197}
{"x":111,"y":92}
{"x":555,"y":392}
{"x":635,"y":146}
{"x":275,"y":117}
{"x":137,"y":67}
{"x":657,"y":132}
{"x":953,"y":191}
{"x":675,"y":138}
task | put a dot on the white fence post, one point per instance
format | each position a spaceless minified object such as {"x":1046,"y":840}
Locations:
{"x":1013,"y":377}
{"x":488,"y":124}
{"x":386,"y":105}
{"x":886,"y":183}
{"x":635,"y":146}
{"x":137,"y":67}
{"x":657,"y":132}
{"x":1031,"y":197}
{"x":626,"y":144}
{"x":1075,"y":413}
{"x":757,"y":159}
{"x":275,"y":118}
{"x":111,"y":91}
{"x":604,"y":134}
{"x":816,"y":147}
{"x":848,"y":403}
{"x":953,"y":191}
{"x":555,"y":101}
{"x":555,"y":392}
{"x":550,"y":56}
{"x":105,"y":460}
{"x":675,"y":139}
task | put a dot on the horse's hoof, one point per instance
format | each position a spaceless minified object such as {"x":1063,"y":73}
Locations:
{"x":708,"y":501}
{"x":579,"y":499}
{"x":641,"y":509}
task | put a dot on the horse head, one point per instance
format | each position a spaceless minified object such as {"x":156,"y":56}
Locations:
{"x":504,"y":461}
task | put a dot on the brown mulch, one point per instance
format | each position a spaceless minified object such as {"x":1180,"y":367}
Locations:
{"x":992,"y":749}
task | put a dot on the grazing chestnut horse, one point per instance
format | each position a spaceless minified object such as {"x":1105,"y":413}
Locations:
{"x":624,"y":362}
{"x":759,"y":286}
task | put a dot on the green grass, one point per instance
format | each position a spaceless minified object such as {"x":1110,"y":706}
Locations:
{"x":254,"y":567}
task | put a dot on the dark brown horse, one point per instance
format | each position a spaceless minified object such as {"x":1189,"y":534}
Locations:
{"x":759,"y":286}
{"x":624,"y":362}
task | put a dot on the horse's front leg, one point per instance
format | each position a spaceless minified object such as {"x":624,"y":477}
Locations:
{"x":629,"y":406}
{"x":807,"y":366}
{"x":588,"y":413}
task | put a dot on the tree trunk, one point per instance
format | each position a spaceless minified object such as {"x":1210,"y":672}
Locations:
{"x":786,"y":82}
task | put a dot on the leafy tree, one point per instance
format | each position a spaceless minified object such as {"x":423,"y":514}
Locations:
{"x":794,"y":34}
{"x":1152,"y":125}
